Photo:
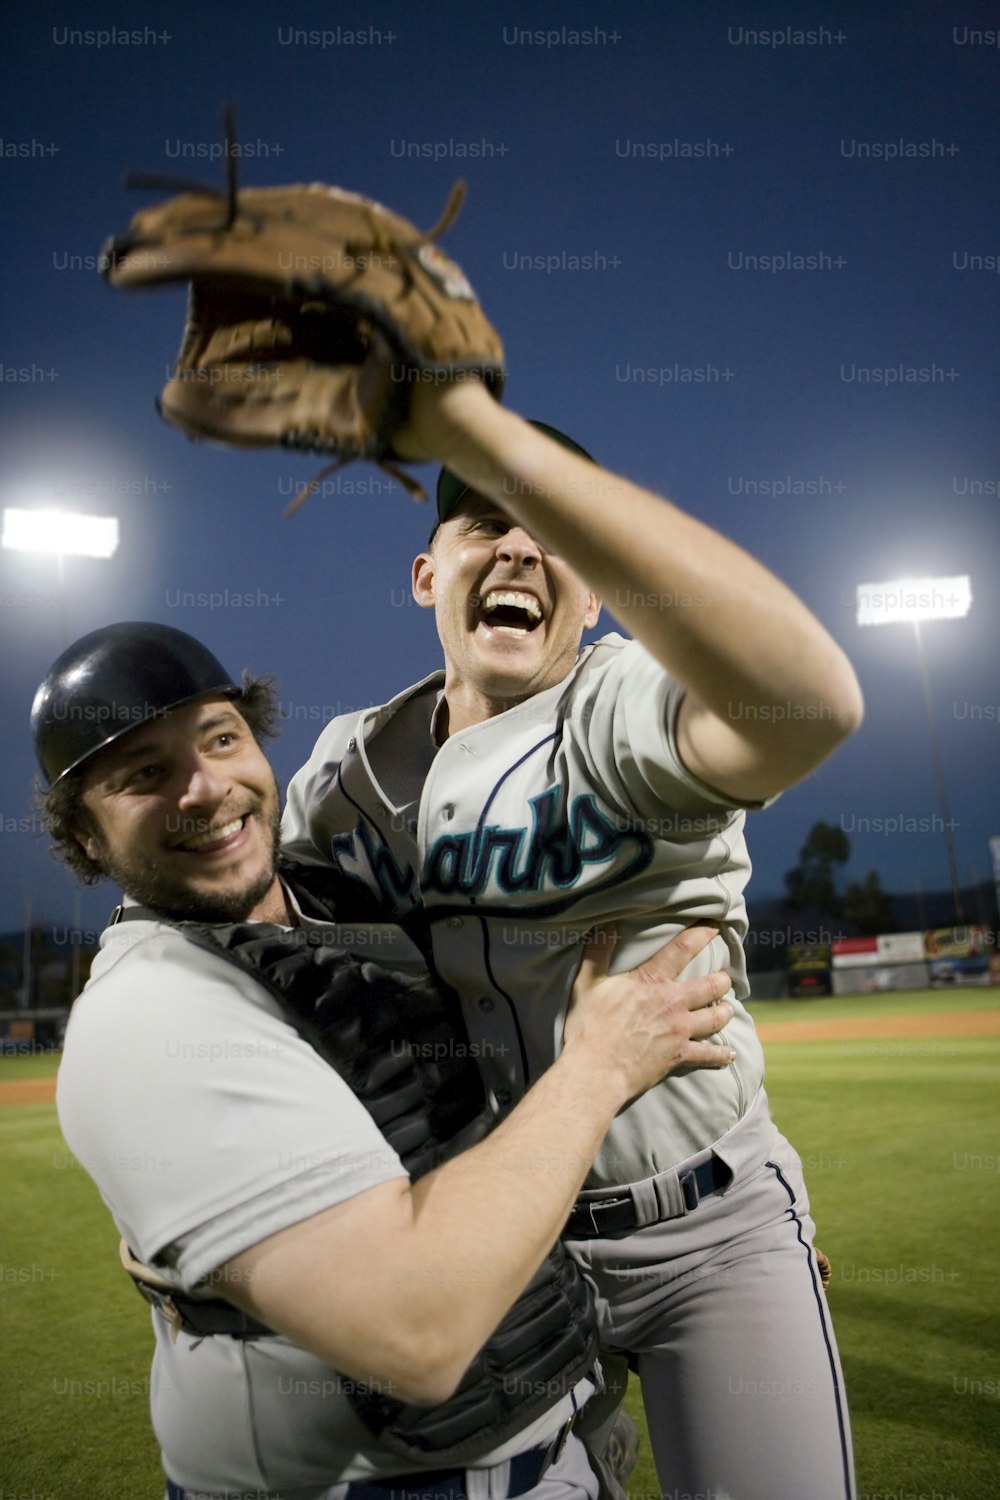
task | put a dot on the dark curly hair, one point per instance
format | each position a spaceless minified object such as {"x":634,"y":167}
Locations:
{"x":61,"y":806}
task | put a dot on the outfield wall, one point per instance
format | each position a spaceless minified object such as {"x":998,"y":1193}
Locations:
{"x":943,"y":958}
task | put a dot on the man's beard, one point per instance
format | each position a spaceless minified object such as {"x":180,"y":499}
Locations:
{"x":170,"y":898}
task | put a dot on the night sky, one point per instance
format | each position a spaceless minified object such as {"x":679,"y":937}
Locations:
{"x":747,"y":255}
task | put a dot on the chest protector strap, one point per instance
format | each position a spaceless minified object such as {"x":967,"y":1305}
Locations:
{"x":393,"y":1039}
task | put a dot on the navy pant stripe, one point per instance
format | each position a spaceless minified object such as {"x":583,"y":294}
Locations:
{"x":820,"y":1297}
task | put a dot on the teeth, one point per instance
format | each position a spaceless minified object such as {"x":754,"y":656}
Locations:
{"x":513,"y":601}
{"x":213,"y":835}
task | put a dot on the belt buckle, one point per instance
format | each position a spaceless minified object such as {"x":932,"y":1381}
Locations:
{"x":688,"y":1185}
{"x":165,"y":1306}
{"x":593,"y":1211}
{"x":558,"y":1444}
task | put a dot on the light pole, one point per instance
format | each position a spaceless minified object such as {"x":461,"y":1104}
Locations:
{"x":916,"y":600}
{"x":64,"y":532}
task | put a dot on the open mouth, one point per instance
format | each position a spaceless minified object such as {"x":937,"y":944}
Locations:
{"x":213,"y":839}
{"x":510,"y":612}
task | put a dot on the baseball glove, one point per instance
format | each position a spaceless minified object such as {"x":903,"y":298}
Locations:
{"x":312,"y":314}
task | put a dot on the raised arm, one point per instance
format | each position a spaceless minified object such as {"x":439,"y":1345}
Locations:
{"x":769,"y":693}
{"x":402,"y":1284}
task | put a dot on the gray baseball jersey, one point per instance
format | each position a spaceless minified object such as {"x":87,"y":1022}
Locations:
{"x":207,"y":1124}
{"x":520,"y":833}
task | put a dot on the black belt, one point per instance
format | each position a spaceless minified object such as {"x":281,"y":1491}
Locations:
{"x":595,"y":1216}
{"x":526,"y":1469}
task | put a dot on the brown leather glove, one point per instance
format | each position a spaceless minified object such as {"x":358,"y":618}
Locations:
{"x":313,"y":314}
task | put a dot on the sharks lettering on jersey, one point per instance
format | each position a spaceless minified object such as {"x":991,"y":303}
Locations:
{"x":552,"y":854}
{"x":374,"y":866}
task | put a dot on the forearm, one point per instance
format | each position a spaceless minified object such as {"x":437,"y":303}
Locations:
{"x":483,"y":1224}
{"x":403,"y":1284}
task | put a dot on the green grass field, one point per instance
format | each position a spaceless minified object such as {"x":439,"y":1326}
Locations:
{"x":901,"y":1147}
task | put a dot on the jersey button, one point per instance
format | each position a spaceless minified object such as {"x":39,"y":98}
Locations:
{"x":447,"y":813}
{"x":503,"y":1096}
{"x":454,"y":921}
{"x":352,"y":744}
{"x":485,"y":1003}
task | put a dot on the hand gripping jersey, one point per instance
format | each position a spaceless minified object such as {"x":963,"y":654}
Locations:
{"x":503,"y":847}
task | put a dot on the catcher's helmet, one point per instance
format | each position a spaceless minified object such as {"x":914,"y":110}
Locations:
{"x":450,"y":488}
{"x":112,"y":681}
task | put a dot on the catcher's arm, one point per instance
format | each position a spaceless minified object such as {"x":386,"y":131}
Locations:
{"x":402,"y":1284}
{"x":769,"y":693}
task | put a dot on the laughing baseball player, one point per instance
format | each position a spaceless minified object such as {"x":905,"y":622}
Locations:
{"x":502,"y":807}
{"x":507,"y":804}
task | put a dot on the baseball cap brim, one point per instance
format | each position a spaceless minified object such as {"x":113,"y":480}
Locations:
{"x":450,"y":488}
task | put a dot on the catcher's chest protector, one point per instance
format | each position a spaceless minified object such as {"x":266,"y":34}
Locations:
{"x":392,"y":1039}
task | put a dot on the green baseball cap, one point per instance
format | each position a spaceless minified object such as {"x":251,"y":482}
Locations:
{"x":450,"y":488}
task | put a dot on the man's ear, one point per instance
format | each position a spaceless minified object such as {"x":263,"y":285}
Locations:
{"x":593,"y":614}
{"x":85,"y":833}
{"x":422,"y":580}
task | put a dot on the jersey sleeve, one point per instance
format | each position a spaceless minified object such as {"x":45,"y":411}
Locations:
{"x":304,"y":836}
{"x":625,"y":716}
{"x":205,"y":1120}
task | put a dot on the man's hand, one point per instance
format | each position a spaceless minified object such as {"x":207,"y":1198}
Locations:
{"x":647,"y":1022}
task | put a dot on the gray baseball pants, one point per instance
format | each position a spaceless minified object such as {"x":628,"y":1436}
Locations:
{"x":722,"y":1314}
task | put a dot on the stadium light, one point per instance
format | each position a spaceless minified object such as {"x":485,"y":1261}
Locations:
{"x":914,"y":600}
{"x":63,"y":532}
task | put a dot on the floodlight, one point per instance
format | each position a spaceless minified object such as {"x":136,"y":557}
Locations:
{"x":62,"y":531}
{"x":914,"y":599}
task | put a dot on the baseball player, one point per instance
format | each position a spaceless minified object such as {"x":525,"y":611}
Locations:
{"x":500,"y":808}
{"x":250,"y":1147}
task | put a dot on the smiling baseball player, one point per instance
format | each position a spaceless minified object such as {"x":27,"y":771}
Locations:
{"x":500,"y":808}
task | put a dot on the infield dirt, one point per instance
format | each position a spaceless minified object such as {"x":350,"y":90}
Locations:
{"x":870,"y":1028}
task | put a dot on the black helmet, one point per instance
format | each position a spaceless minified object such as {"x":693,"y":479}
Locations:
{"x":112,"y":681}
